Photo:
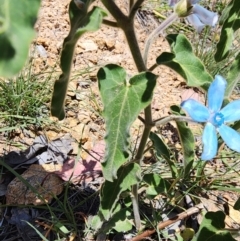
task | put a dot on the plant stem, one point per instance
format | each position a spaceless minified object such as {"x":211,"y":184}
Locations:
{"x":157,"y":31}
{"x":137,"y":56}
{"x":166,"y":119}
{"x":110,"y":23}
{"x":135,"y":8}
{"x":127,"y":25}
{"x":133,"y":45}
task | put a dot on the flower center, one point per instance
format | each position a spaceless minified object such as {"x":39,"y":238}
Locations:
{"x":218,"y":119}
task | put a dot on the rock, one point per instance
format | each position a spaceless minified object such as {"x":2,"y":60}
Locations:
{"x":72,"y":122}
{"x":81,"y":132}
{"x":72,"y":86}
{"x":83,"y":117}
{"x":71,"y":113}
{"x":88,"y":45}
{"x":82,"y":95}
{"x":51,"y":135}
{"x":42,"y":51}
{"x":110,"y":43}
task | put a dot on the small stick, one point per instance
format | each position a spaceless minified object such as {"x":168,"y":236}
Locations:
{"x":170,"y":221}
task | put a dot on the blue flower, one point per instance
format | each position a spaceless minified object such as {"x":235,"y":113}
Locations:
{"x":215,"y":118}
{"x":198,"y":16}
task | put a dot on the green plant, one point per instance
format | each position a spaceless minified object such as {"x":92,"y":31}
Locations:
{"x":124,"y":98}
{"x":24,"y":99}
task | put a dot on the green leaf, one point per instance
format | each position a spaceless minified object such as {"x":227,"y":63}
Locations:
{"x":233,"y":76}
{"x":231,"y":24}
{"x":187,"y":142}
{"x":156,"y":184}
{"x":119,"y":221}
{"x":123,"y":100}
{"x":82,"y":21}
{"x":127,"y":176}
{"x":212,"y":228}
{"x":184,"y":62}
{"x":237,"y":204}
{"x":163,"y":151}
{"x":17,"y":19}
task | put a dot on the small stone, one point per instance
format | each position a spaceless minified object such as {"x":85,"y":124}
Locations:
{"x":81,"y":133}
{"x":71,"y":113}
{"x":119,"y":48}
{"x":84,"y":117}
{"x":178,"y":146}
{"x":51,"y":135}
{"x":110,"y":43}
{"x":72,"y":86}
{"x":42,"y":51}
{"x":72,"y":122}
{"x":88,"y":45}
{"x":82,"y":95}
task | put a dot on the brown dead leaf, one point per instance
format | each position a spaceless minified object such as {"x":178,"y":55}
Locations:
{"x":47,"y":184}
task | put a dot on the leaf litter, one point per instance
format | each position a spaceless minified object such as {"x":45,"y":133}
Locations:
{"x":46,"y":166}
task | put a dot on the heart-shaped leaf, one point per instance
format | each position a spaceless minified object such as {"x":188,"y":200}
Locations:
{"x":212,"y":228}
{"x":123,"y":100}
{"x":184,"y":62}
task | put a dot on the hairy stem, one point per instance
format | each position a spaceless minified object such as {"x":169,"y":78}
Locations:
{"x":157,"y":31}
{"x":116,"y":12}
{"x":166,"y":119}
{"x":133,"y":45}
{"x":127,"y":25}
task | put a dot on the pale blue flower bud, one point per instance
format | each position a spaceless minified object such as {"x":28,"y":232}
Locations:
{"x":195,"y":22}
{"x":205,"y":16}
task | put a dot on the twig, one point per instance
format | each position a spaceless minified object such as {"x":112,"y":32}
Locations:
{"x":170,"y":221}
{"x":110,"y":23}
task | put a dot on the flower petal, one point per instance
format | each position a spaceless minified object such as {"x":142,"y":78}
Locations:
{"x":231,"y":112}
{"x":216,"y":93}
{"x":209,"y":140}
{"x":196,"y":110}
{"x":194,"y":1}
{"x":172,"y":2}
{"x":195,"y":22}
{"x":206,"y":17}
{"x":231,"y":137}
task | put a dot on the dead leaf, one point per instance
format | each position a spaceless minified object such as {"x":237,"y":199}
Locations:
{"x":46,"y":184}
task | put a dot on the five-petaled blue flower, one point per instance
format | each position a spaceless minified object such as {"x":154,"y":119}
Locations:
{"x":215,"y":118}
